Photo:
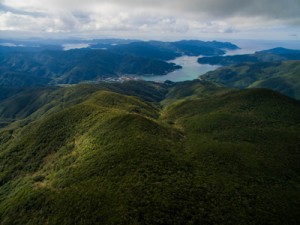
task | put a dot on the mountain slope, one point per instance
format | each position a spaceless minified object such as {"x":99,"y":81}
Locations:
{"x":74,"y":66}
{"x":283,"y":77}
{"x":117,"y":156}
{"x":244,"y":144}
{"x":171,"y":50}
{"x":191,"y":90}
{"x":21,"y":106}
{"x":271,"y":55}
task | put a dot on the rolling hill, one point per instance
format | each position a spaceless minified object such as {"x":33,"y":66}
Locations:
{"x":283,"y":77}
{"x":271,"y":55}
{"x":148,"y":153}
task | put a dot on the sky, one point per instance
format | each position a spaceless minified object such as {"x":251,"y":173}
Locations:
{"x":151,"y":19}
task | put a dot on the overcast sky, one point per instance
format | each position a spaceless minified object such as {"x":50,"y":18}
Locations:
{"x":152,"y":19}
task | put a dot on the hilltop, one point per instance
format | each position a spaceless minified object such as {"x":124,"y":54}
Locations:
{"x":283,"y":77}
{"x":149,"y":153}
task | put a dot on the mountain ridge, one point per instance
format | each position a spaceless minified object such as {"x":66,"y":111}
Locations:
{"x":272,"y":55}
{"x":149,"y":153}
{"x":278,"y":76}
{"x":44,"y":63}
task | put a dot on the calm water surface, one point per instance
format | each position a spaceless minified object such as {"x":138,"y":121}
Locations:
{"x":191,"y":70}
{"x":67,"y":47}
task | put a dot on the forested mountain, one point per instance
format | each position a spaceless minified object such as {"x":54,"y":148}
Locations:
{"x":74,"y":66}
{"x":148,"y":153}
{"x":171,"y":50}
{"x":283,"y":76}
{"x":24,"y":64}
{"x":271,"y":55}
{"x":137,"y":152}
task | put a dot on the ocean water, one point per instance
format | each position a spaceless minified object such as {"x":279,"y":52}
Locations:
{"x":251,"y":46}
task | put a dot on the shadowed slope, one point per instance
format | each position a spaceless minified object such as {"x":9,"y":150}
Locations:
{"x":282,"y":77}
{"x":212,"y":156}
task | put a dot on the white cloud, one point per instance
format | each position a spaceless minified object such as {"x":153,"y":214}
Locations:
{"x":172,"y":17}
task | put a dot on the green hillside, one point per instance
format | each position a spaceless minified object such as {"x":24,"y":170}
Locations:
{"x":270,"y":55}
{"x":20,"y":106}
{"x":283,"y":77}
{"x":149,"y":153}
{"x":50,"y":67}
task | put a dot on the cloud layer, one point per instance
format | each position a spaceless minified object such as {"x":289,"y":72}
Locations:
{"x":156,"y":17}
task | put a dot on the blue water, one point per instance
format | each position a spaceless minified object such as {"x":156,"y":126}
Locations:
{"x":251,"y":46}
{"x":191,"y":70}
{"x":67,"y":47}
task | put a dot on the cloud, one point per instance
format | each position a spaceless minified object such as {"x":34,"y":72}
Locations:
{"x":276,"y":9}
{"x":4,"y":8}
{"x":155,"y":16}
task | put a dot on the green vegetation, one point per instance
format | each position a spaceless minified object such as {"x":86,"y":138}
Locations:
{"x":171,"y":50}
{"x":192,"y":90}
{"x":271,"y":55}
{"x":147,"y":153}
{"x":43,"y":65}
{"x":283,"y":77}
{"x":23,"y":69}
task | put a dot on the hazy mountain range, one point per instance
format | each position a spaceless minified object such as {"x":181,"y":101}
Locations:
{"x":271,"y":55}
{"x":47,"y":64}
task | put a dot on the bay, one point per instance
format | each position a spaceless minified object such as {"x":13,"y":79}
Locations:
{"x":191,"y":70}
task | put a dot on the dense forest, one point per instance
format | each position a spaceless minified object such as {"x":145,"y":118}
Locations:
{"x":147,"y":153}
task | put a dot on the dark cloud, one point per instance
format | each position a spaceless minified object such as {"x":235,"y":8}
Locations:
{"x":263,"y":8}
{"x":283,"y":11}
{"x":286,"y":10}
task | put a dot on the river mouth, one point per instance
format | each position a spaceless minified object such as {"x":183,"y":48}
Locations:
{"x":190,"y":70}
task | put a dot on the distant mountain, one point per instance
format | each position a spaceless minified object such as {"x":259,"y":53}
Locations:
{"x":40,"y":42}
{"x":156,"y":50}
{"x":283,"y":77}
{"x":281,"y":51}
{"x":149,"y":153}
{"x":24,"y":64}
{"x":210,"y":48}
{"x":171,"y":50}
{"x":271,"y":55}
{"x":149,"y":49}
{"x":9,"y":49}
{"x":74,"y":66}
